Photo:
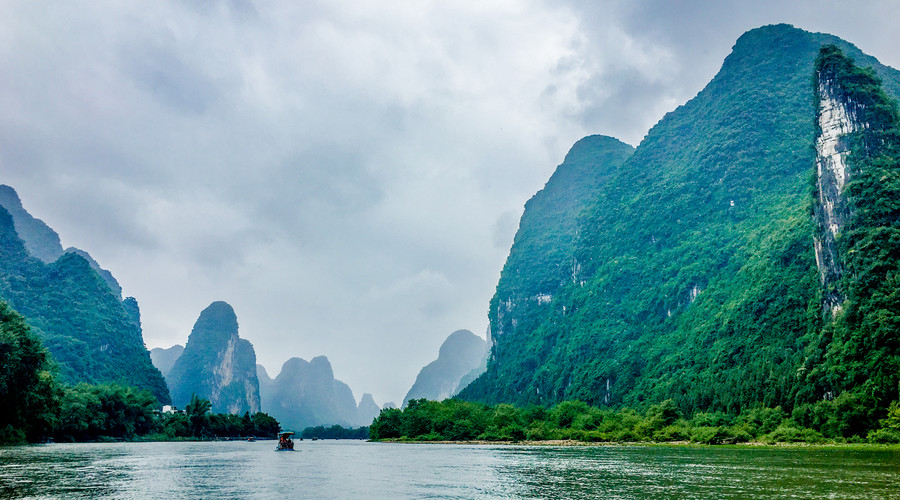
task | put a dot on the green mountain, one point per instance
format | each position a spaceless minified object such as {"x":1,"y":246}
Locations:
{"x":460,"y":353}
{"x":92,"y":334}
{"x":692,"y":274}
{"x":216,"y":364}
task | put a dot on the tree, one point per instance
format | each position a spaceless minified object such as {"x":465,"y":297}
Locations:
{"x":28,"y":391}
{"x":196,"y":411}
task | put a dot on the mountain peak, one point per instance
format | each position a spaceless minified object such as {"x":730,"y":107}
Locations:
{"x":40,"y":240}
{"x":217,"y":364}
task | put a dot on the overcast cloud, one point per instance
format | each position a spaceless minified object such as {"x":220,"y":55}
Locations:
{"x":347,"y":175}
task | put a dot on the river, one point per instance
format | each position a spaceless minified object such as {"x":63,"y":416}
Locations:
{"x":356,"y":469}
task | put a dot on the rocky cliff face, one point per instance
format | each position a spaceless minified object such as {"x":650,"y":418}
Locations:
{"x":461,"y":353}
{"x":93,"y":334}
{"x":217,"y":365}
{"x":836,"y":118}
{"x":306,"y":394}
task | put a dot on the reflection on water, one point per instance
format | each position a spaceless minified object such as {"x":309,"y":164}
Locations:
{"x":353,"y":469}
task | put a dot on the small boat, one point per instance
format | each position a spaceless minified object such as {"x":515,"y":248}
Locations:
{"x":285,"y":443}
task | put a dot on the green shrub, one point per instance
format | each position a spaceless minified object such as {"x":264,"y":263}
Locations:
{"x":884,"y":436}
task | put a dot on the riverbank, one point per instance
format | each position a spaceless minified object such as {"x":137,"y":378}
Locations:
{"x":672,"y":444}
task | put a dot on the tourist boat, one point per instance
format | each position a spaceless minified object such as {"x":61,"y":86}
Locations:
{"x":285,"y":443}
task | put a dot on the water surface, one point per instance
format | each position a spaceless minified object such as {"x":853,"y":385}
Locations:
{"x":356,"y":469}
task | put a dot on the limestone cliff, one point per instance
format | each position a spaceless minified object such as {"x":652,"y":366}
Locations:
{"x":836,"y":118}
{"x":217,"y":365}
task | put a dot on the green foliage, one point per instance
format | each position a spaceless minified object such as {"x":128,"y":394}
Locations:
{"x":88,"y":412}
{"x":28,"y":391}
{"x":456,"y":420}
{"x":182,"y":426}
{"x":387,"y":425}
{"x":196,"y":411}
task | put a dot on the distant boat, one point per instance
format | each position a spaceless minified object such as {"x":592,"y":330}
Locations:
{"x":285,"y":443}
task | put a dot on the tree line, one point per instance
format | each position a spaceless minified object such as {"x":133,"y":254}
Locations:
{"x":456,"y":420}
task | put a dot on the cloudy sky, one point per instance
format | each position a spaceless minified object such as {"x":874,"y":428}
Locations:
{"x":348,"y":175}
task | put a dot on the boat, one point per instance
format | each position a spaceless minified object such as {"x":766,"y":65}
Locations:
{"x":285,"y":443}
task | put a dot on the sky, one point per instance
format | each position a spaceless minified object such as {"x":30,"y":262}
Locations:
{"x":348,"y":175}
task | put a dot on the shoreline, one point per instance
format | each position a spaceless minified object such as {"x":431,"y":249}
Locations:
{"x":671,"y":444}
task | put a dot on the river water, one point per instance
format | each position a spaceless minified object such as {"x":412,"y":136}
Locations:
{"x":356,"y":469}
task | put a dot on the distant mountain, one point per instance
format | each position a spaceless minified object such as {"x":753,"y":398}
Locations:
{"x":306,"y":394}
{"x":106,"y":275}
{"x":367,"y":410}
{"x":217,"y":364}
{"x":266,"y":387}
{"x":459,"y":355}
{"x":482,"y":365}
{"x":164,"y":359}
{"x":744,"y":255}
{"x":93,"y":334}
{"x":42,"y":241}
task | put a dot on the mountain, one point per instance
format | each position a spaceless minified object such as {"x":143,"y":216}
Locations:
{"x":42,"y":241}
{"x":266,"y":387}
{"x":693,"y":271}
{"x":476,"y":372}
{"x":459,"y":354}
{"x":93,"y":335}
{"x":164,"y":359}
{"x":216,"y":364}
{"x":306,"y":394}
{"x":367,"y":410}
